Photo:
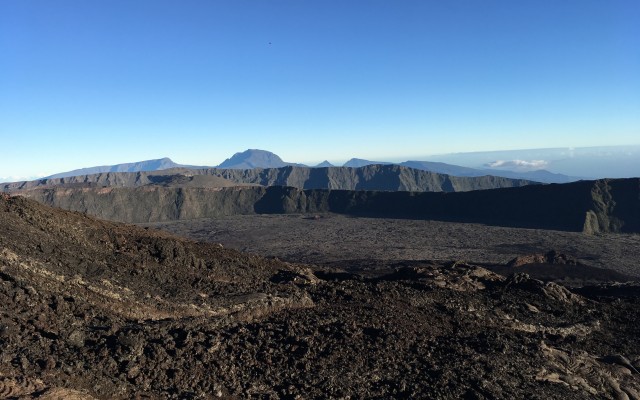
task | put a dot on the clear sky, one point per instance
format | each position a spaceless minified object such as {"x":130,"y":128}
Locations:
{"x":85,"y":83}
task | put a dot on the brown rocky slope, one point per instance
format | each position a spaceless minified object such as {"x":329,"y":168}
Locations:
{"x":94,"y":309}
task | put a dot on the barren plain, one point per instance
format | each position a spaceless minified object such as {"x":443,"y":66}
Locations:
{"x":360,"y":242}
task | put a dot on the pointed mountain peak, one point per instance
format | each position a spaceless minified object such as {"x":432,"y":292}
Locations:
{"x":324,"y":164}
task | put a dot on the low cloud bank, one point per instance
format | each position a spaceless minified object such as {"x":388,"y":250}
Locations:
{"x":518,"y":164}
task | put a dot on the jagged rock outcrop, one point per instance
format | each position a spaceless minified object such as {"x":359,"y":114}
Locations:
{"x":550,"y":257}
{"x":612,"y":208}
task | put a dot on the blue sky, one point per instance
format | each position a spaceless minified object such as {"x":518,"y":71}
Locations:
{"x":86,"y":83}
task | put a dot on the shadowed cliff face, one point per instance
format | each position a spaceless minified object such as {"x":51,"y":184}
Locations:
{"x":589,"y":206}
{"x":615,"y":206}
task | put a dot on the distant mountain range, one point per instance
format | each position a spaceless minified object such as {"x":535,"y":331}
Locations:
{"x":250,"y":159}
{"x":254,"y":158}
{"x":149,"y":165}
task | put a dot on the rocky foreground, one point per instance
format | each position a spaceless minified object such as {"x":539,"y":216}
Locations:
{"x":94,"y":309}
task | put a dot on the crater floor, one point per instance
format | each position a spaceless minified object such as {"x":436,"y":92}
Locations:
{"x":333,"y":238}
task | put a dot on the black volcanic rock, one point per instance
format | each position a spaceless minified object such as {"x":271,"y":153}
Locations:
{"x":93,"y":309}
{"x":551,"y":257}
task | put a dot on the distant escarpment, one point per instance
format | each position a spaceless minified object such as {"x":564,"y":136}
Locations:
{"x":589,"y":206}
{"x":149,"y":165}
{"x":370,"y":177}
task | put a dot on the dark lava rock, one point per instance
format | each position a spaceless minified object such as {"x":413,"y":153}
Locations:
{"x":114,"y":311}
{"x":551,"y":257}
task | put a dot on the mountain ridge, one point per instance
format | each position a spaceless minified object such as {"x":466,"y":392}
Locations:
{"x":370,"y":177}
{"x":255,"y":158}
{"x":157,"y":164}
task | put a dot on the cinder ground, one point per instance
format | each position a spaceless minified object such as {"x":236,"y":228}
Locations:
{"x":95,"y":309}
{"x":333,"y":238}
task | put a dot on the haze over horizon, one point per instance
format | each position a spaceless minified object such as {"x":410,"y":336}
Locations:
{"x":86,"y":84}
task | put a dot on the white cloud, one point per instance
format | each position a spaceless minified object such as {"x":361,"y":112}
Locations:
{"x":19,"y":178}
{"x":518,"y":164}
